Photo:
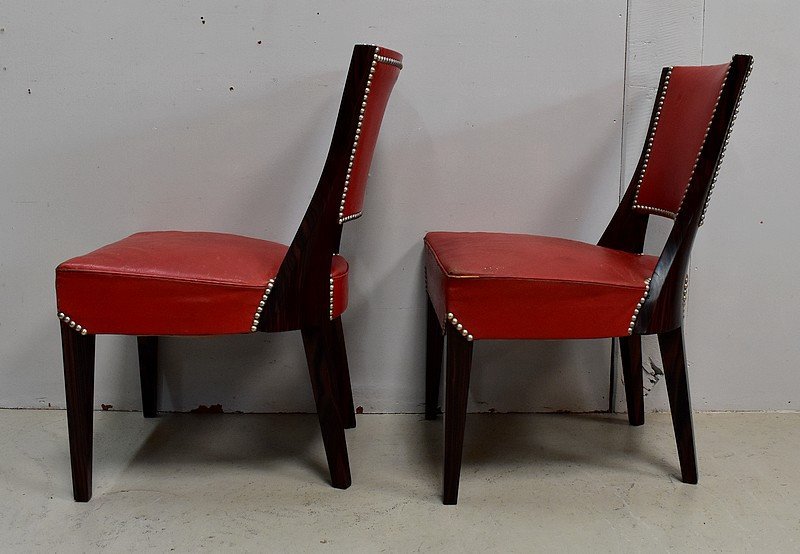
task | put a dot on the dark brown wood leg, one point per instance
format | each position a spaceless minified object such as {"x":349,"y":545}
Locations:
{"x":674,"y":360}
{"x":148,"y":374}
{"x":630,"y":349}
{"x":78,"y":351}
{"x":320,"y":361}
{"x":434,"y":347}
{"x":459,"y":365}
{"x":340,"y":374}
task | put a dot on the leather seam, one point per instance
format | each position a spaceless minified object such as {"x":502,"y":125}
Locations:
{"x":168,"y":279}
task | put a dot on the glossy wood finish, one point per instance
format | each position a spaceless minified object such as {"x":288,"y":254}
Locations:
{"x":459,"y":366}
{"x":434,"y":346}
{"x":631,"y":353}
{"x":148,"y":374}
{"x":300,"y":294}
{"x":78,"y":352}
{"x":340,"y":373}
{"x":320,"y":357}
{"x":663,"y":309}
{"x":674,"y":358}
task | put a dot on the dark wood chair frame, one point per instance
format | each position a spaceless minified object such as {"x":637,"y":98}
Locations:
{"x":661,"y":313}
{"x":299,"y":300}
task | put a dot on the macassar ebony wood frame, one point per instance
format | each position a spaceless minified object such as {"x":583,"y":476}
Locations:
{"x":299,"y":300}
{"x":661,"y":312}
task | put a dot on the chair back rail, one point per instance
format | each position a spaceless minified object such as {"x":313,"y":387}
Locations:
{"x":301,"y":292}
{"x":712,"y":90}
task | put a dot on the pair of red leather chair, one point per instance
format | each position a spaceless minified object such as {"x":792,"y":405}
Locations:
{"x":480,"y":286}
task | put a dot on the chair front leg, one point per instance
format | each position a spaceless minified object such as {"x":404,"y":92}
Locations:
{"x":459,"y":365}
{"x":148,"y":374}
{"x":674,"y":359}
{"x":434,"y":346}
{"x":630,"y":349}
{"x":340,"y":374}
{"x":319,"y":353}
{"x":78,"y":351}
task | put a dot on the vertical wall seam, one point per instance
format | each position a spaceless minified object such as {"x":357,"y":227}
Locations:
{"x":621,"y":188}
{"x":703,"y":34}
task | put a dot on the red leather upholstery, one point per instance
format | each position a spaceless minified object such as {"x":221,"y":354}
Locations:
{"x":510,"y":286}
{"x":176,"y":283}
{"x":691,"y":96}
{"x":380,"y":88}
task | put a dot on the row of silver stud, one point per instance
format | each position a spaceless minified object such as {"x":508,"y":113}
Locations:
{"x":639,"y":305}
{"x":650,"y":138}
{"x":261,"y":305}
{"x":355,"y":140}
{"x":725,"y":144}
{"x":705,"y":137}
{"x":685,"y":291}
{"x":330,"y":311}
{"x":72,"y":323}
{"x":350,"y":217}
{"x":390,"y":61}
{"x":459,"y":326}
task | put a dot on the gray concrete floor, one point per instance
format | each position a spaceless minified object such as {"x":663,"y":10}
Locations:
{"x":529,"y":483}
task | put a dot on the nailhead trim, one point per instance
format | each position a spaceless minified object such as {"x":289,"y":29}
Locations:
{"x":350,"y":217}
{"x":685,"y":291}
{"x":639,"y":305}
{"x":725,"y":144}
{"x":650,"y":136}
{"x":705,"y":137}
{"x":78,"y":328}
{"x":353,"y":150}
{"x":261,"y":305}
{"x":390,"y":61}
{"x":330,"y":311}
{"x":459,"y":326}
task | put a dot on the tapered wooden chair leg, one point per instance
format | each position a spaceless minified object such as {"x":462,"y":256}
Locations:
{"x":340,"y":374}
{"x":320,"y":360}
{"x":631,"y":352}
{"x":148,"y":374}
{"x":433,"y":363}
{"x":674,"y":359}
{"x":78,"y":351}
{"x":459,"y":365}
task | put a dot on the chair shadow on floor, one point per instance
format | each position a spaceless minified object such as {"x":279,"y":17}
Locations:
{"x":258,"y":443}
{"x":543,"y":442}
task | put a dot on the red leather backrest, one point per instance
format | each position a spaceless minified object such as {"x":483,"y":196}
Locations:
{"x":386,"y":65}
{"x":686,"y":103}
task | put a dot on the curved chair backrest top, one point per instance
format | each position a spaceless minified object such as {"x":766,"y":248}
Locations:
{"x":689,"y":129}
{"x":384,"y":68}
{"x":300,"y":293}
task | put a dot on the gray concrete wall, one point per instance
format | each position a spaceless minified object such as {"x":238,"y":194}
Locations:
{"x":507,"y":117}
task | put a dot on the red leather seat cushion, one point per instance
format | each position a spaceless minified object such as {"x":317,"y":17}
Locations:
{"x":175,"y":283}
{"x":510,"y":286}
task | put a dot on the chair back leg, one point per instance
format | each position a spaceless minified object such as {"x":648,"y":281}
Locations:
{"x":340,"y":374}
{"x":434,"y":346}
{"x":148,"y":374}
{"x":674,"y":360}
{"x":78,"y":351}
{"x":459,"y":365}
{"x":320,"y":357}
{"x":630,"y":349}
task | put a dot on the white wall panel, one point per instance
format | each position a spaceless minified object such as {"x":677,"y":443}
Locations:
{"x":506,"y":117}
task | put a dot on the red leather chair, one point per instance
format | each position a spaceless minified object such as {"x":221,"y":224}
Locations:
{"x":194,"y":283}
{"x":506,"y":286}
